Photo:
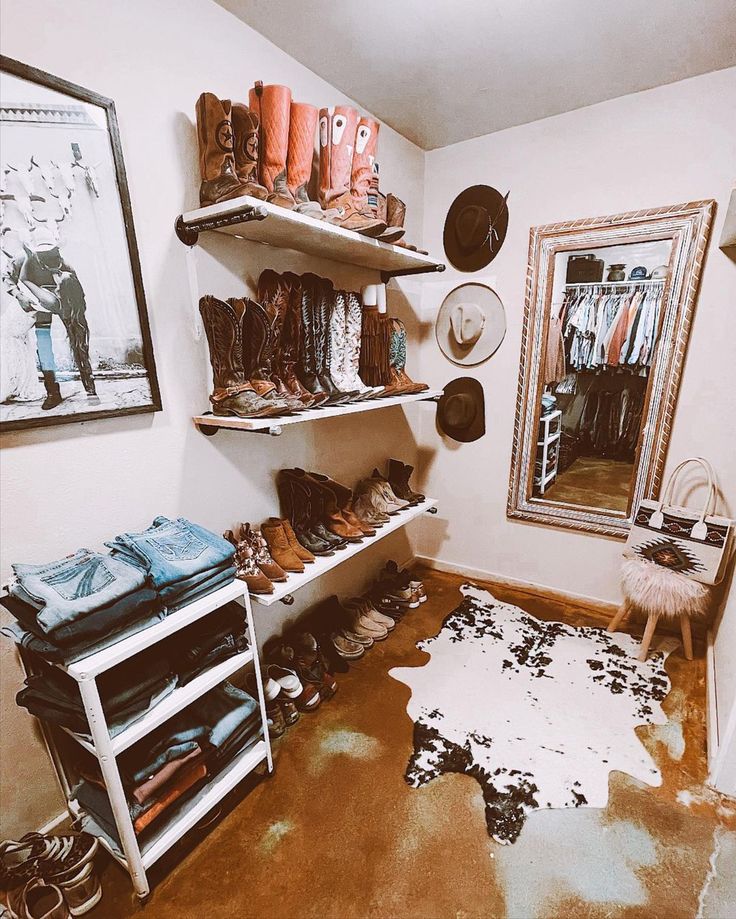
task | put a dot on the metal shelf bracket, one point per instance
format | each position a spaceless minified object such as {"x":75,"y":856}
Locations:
{"x":401,"y":272}
{"x":188,"y":233}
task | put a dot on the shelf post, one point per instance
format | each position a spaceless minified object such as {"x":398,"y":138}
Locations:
{"x":259,"y":680}
{"x":113,"y":783}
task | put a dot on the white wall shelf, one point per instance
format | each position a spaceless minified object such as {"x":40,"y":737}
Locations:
{"x":258,"y":221}
{"x":322,"y":564}
{"x":210,"y":424}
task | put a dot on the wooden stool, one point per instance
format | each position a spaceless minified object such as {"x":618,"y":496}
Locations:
{"x":652,"y":619}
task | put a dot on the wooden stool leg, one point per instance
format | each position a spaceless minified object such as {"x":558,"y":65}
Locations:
{"x":648,"y":635}
{"x":687,"y":637}
{"x":621,"y":613}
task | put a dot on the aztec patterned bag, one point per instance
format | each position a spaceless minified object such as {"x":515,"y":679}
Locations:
{"x":679,"y":538}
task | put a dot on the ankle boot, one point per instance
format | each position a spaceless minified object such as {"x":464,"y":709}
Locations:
{"x":332,"y":515}
{"x":317,"y":501}
{"x":300,"y":551}
{"x":246,"y":568}
{"x":337,"y":137}
{"x":363,"y":178}
{"x":216,"y":153}
{"x":344,"y":499}
{"x":395,"y":214}
{"x":245,"y":144}
{"x":279,"y":547}
{"x":400,"y":474}
{"x":53,"y":392}
{"x":272,"y":104}
{"x":263,"y":558}
{"x":299,"y":161}
{"x":233,"y":394}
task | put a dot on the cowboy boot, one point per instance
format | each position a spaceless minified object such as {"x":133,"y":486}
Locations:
{"x":353,"y":324}
{"x":363,"y":180}
{"x":272,"y":105}
{"x":216,"y":156}
{"x":323,"y":313}
{"x":330,"y":516}
{"x":268,"y":315}
{"x":275,"y":293}
{"x":302,"y":123}
{"x":400,"y":384}
{"x":340,"y":519}
{"x":307,"y":360}
{"x":393,"y":211}
{"x":254,"y":341}
{"x":295,"y":501}
{"x":375,"y":342}
{"x":245,"y":130}
{"x":232,"y":393}
{"x":337,"y":132}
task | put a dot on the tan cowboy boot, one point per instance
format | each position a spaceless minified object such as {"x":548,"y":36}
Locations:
{"x":337,"y":134}
{"x":216,"y":156}
{"x":363,"y":185}
{"x":245,"y":129}
{"x":302,"y":124}
{"x":272,"y":105}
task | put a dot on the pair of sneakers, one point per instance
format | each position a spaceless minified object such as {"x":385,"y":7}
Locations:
{"x":362,"y":626}
{"x":401,"y":585}
{"x":301,"y":654}
{"x":50,"y":876}
{"x":281,"y":692}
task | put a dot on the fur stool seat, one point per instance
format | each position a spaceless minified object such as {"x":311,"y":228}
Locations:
{"x":659,"y":593}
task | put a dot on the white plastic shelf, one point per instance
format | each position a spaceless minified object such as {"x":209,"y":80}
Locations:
{"x":285,"y":229}
{"x":274,"y":425}
{"x":173,"y":703}
{"x":99,"y":661}
{"x":323,"y":564}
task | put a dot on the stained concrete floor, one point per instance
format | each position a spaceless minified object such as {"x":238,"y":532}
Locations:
{"x":594,"y":481}
{"x":336,"y":832}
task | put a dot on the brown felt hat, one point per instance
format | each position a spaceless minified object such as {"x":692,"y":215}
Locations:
{"x":475,"y":227}
{"x":461,"y":412}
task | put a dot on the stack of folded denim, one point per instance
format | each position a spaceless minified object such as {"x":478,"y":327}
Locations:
{"x":182,"y":560}
{"x":127,"y":692}
{"x":208,"y":642}
{"x":63,"y":608}
{"x":162,"y":767}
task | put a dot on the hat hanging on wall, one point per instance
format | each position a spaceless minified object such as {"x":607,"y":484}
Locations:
{"x":461,"y":411}
{"x":475,"y":227}
{"x":471,"y":324}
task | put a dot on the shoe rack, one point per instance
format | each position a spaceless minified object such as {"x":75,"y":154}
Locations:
{"x":259,"y":221}
{"x":136,"y":854}
{"x":322,"y":564}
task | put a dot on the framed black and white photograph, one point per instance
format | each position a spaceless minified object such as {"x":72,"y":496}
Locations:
{"x":75,"y":344}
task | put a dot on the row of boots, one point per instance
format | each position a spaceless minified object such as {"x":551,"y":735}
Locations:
{"x":302,"y":344}
{"x":265,"y":150}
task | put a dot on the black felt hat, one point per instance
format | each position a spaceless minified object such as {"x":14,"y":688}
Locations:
{"x":461,"y":412}
{"x":475,"y":227}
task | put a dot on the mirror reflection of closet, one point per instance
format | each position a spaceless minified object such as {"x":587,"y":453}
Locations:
{"x":605,"y":316}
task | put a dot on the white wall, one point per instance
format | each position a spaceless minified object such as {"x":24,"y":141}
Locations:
{"x":672,"y":144}
{"x":77,"y":485}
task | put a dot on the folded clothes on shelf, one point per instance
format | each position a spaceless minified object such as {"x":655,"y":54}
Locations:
{"x":127,"y":693}
{"x":208,"y":642}
{"x":162,"y":767}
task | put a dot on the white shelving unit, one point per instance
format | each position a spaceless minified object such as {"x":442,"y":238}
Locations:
{"x":258,"y":221}
{"x":550,"y":429}
{"x":180,"y":818}
{"x":210,"y":424}
{"x":323,"y":564}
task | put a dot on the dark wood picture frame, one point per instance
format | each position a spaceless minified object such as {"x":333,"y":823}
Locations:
{"x":34,"y":75}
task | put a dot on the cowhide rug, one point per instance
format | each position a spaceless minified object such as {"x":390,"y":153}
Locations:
{"x":538,"y":712}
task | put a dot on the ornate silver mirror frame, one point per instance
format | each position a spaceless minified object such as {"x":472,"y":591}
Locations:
{"x":688,"y":226}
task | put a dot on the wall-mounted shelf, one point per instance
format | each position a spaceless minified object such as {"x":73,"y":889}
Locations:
{"x":210,"y":424}
{"x":322,"y":564}
{"x":258,"y":221}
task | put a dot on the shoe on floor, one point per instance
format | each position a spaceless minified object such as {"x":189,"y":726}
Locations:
{"x":362,"y":625}
{"x":37,"y":900}
{"x":290,"y":711}
{"x":368,"y":609}
{"x":391,"y":573}
{"x":45,"y":855}
{"x":82,"y":890}
{"x":275,"y":719}
{"x":287,"y":680}
{"x":346,"y":647}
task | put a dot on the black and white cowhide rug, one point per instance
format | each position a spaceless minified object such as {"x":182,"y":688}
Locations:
{"x":538,"y":712}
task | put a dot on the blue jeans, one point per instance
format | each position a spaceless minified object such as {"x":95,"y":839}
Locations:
{"x":218,"y":579}
{"x":73,"y":587}
{"x":173,"y":550}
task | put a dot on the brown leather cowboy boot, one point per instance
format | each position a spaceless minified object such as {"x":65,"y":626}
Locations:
{"x":216,"y":156}
{"x":394,"y":215}
{"x":291,"y":340}
{"x":272,"y":105}
{"x":363,"y":181}
{"x":299,"y":161}
{"x":245,"y":129}
{"x":233,"y":393}
{"x":268,"y":314}
{"x":257,"y":355}
{"x":337,"y":134}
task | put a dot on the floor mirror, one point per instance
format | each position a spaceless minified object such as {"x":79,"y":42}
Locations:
{"x":609,"y":303}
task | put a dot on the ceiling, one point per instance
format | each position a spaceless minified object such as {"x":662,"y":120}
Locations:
{"x":442,"y":71}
